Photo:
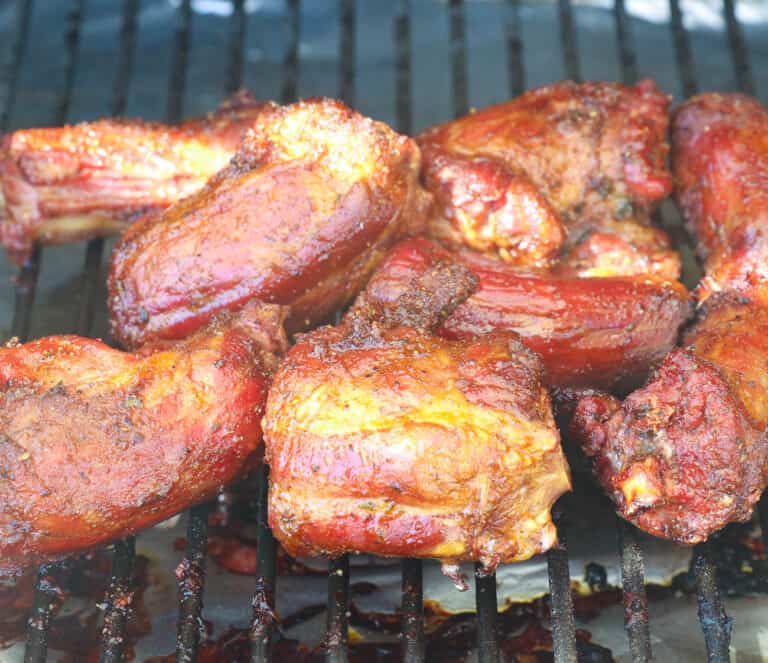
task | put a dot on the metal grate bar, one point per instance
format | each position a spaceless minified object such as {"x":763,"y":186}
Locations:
{"x":237,"y":46}
{"x":459,"y":59}
{"x":39,"y":622}
{"x":635,"y":599}
{"x":741,"y":64}
{"x":568,"y":40}
{"x":291,"y":58}
{"x":264,"y":619}
{"x":626,"y":44}
{"x":682,"y":50}
{"x":487,"y":606}
{"x":403,"y":89}
{"x":18,"y":50}
{"x":45,"y":592}
{"x":191,"y":576}
{"x":347,"y":52}
{"x":338,"y":602}
{"x":413,"y":611}
{"x":561,"y":604}
{"x":714,"y":621}
{"x":119,"y":594}
{"x":119,"y":602}
{"x":178,"y":79}
{"x":512,"y":34}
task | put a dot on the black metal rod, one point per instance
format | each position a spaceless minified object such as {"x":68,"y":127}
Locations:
{"x":714,"y":622}
{"x":45,"y":595}
{"x":191,"y":576}
{"x":625,"y":43}
{"x":514,"y":41}
{"x":413,"y":611}
{"x":291,"y":57}
{"x":487,"y":607}
{"x":46,"y":600}
{"x":459,"y":58}
{"x":635,"y":599}
{"x":561,"y":604}
{"x":682,"y":50}
{"x":178,"y":79}
{"x":264,"y":620}
{"x":236,"y":46}
{"x":741,"y":65}
{"x":338,"y":602}
{"x":347,"y":51}
{"x":120,"y":597}
{"x":568,"y":40}
{"x":403,"y":84}
{"x":18,"y":50}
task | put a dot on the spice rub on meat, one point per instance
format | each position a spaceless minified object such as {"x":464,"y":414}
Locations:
{"x":384,"y":438}
{"x":64,"y":184}
{"x":567,"y":174}
{"x":96,"y":444}
{"x":687,"y":453}
{"x":301,"y":217}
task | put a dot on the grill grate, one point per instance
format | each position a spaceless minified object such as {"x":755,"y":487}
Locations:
{"x":715,"y":623}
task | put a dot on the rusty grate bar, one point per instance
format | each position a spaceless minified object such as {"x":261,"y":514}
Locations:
{"x":191,"y":576}
{"x":291,"y":58}
{"x":634,"y":596}
{"x":338,"y":605}
{"x":264,"y":620}
{"x":119,"y":600}
{"x":18,"y":50}
{"x":403,"y":84}
{"x":413,"y":611}
{"x":714,"y":621}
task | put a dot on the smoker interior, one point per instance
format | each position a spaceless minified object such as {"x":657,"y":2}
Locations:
{"x":408,"y":63}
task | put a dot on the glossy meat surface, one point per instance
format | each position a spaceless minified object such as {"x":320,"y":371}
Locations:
{"x":604,"y":332}
{"x":300,"y":217}
{"x":721,"y":166}
{"x":75,"y":182}
{"x":527,"y":179}
{"x":688,"y":453}
{"x":386,"y":439}
{"x":96,"y":443}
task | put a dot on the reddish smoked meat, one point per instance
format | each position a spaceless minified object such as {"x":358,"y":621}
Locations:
{"x":604,"y":332}
{"x":385,"y":439}
{"x":531,"y":179}
{"x":97,"y":444}
{"x":688,"y":453}
{"x":301,"y":217}
{"x":72,"y":183}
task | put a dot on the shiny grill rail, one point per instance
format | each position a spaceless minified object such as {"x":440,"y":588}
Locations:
{"x":715,"y":623}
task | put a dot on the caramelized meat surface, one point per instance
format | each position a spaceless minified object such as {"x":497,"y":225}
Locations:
{"x":301,"y":216}
{"x":529,"y":179}
{"x":383,"y":438}
{"x":721,"y":166}
{"x":76,"y":182}
{"x":687,"y":454}
{"x":96,"y":443}
{"x":605,"y":332}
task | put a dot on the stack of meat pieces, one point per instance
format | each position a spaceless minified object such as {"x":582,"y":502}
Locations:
{"x":491,"y":258}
